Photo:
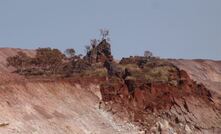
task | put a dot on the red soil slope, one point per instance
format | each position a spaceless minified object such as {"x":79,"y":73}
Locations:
{"x":51,"y":107}
{"x":180,"y":102}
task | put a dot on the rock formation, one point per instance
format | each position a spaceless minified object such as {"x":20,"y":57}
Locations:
{"x":160,"y":89}
{"x":99,"y":53}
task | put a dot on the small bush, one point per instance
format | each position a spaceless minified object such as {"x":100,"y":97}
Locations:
{"x":70,"y":52}
{"x":20,"y":61}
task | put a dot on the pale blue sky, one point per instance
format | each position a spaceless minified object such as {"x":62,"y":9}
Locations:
{"x":168,"y":28}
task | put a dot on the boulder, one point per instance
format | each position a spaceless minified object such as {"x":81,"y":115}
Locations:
{"x":99,"y":53}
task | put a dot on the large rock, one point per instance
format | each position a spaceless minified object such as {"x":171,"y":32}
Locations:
{"x":100,"y":53}
{"x":113,"y":69}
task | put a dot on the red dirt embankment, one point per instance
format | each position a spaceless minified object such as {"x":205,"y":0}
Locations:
{"x":51,"y":107}
{"x":183,"y":102}
{"x":150,"y":90}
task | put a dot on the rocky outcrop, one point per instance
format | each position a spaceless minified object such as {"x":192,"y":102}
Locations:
{"x":99,"y":53}
{"x":143,"y":94}
{"x":113,"y":69}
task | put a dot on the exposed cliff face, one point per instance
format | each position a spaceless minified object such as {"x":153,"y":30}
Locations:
{"x":166,"y":92}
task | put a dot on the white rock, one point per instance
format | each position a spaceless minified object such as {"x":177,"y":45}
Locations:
{"x":187,"y":129}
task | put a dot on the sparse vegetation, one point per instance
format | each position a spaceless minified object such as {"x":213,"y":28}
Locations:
{"x":70,"y":52}
{"x":94,"y":43}
{"x":104,"y":34}
{"x":19,"y":61}
{"x":87,"y":48}
{"x":49,"y":61}
{"x":148,"y":54}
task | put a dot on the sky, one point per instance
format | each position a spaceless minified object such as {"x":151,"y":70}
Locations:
{"x":188,"y":29}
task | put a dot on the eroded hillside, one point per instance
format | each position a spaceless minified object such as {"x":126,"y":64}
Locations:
{"x":152,"y":91}
{"x":207,"y":72}
{"x":51,"y":107}
{"x":94,"y":94}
